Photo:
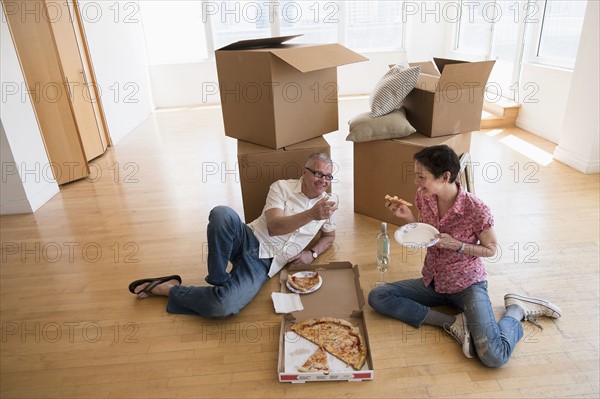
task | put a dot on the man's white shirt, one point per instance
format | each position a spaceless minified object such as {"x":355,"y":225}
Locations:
{"x":287,"y":196}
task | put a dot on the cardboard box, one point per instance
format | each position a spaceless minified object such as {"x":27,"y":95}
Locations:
{"x":261,"y":166}
{"x":275,"y":94}
{"x":449,"y":101}
{"x":387,"y":167}
{"x":340,"y":296}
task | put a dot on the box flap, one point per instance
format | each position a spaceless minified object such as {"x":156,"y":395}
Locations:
{"x":427,"y":67}
{"x":463,"y":75}
{"x":337,"y":300}
{"x":307,"y":58}
{"x":440,"y":63}
{"x":427,"y":82}
{"x":257,"y":43}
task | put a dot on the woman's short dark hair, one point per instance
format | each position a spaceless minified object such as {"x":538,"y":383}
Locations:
{"x":439,"y":159}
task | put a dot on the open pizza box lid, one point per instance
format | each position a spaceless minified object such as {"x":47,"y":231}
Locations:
{"x":339,"y":296}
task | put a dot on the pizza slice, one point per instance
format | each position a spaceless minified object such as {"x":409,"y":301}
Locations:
{"x":303,"y":281}
{"x":337,"y":336}
{"x":316,"y":362}
{"x":397,"y":201}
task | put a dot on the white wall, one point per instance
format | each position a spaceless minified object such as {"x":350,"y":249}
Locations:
{"x":27,"y":181}
{"x":115,"y":37}
{"x":543,"y":95}
{"x":578,"y":144}
{"x":117,"y":49}
{"x":13,"y":198}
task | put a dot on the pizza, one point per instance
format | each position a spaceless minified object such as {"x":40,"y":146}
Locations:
{"x":336,"y":336}
{"x":316,"y":362}
{"x":397,"y":201}
{"x":303,"y":281}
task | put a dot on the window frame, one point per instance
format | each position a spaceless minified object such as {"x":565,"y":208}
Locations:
{"x":530,"y":25}
{"x":535,"y":42}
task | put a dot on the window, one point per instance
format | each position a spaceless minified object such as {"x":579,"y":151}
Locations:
{"x":232,"y":21}
{"x":495,"y":29}
{"x":179,"y":31}
{"x":475,"y":26}
{"x":174,"y":31}
{"x":374,"y":25}
{"x":559,"y":31}
{"x":316,"y":20}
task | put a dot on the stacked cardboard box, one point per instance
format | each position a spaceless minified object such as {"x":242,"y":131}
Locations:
{"x":445,"y":107}
{"x":386,"y":167}
{"x":448,"y":98}
{"x":276,"y":96}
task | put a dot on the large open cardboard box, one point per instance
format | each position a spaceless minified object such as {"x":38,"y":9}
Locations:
{"x":261,"y":166}
{"x":387,"y":167}
{"x":340,"y":296}
{"x":449,"y":101}
{"x":275,"y":94}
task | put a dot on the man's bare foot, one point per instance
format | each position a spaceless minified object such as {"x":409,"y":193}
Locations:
{"x":156,"y":288}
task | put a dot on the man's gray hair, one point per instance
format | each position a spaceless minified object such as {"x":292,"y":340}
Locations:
{"x":321,"y":156}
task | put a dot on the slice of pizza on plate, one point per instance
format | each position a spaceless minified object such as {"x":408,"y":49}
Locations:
{"x":303,"y":282}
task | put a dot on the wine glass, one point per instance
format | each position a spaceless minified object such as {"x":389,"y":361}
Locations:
{"x":332,"y":197}
{"x":382,"y":265}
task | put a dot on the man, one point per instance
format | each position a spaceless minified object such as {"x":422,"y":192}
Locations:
{"x":295,"y":211}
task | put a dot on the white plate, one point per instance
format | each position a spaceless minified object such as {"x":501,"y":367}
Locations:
{"x":417,"y":235}
{"x":304,"y":274}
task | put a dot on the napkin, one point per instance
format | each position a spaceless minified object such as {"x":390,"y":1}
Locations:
{"x":286,"y":303}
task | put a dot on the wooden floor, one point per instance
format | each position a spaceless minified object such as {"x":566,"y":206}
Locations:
{"x":71,"y":329}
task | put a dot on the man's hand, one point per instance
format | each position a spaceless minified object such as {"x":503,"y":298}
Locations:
{"x":303,"y":258}
{"x":323,"y":209}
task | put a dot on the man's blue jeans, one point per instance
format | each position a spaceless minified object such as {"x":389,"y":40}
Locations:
{"x":229,"y":239}
{"x":410,"y":301}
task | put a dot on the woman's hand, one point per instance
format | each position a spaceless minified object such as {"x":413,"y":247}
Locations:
{"x":448,"y":242}
{"x":484,"y":249}
{"x":400,"y":211}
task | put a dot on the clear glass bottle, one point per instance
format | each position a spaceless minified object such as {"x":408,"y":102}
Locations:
{"x":383,"y":252}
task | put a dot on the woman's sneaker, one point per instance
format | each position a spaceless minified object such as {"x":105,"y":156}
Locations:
{"x":460,"y":332}
{"x":533,"y":307}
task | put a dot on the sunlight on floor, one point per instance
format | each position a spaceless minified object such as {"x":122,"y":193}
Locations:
{"x":494,"y":132}
{"x":529,"y":150}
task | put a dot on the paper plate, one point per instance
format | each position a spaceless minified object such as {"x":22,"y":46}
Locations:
{"x":417,"y":235}
{"x":305,"y":274}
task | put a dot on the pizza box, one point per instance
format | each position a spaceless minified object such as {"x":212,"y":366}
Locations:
{"x":339,"y":296}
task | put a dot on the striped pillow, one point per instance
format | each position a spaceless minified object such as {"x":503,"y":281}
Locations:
{"x":392,"y":89}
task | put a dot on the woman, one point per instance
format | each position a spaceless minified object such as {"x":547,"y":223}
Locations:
{"x":453,"y":272}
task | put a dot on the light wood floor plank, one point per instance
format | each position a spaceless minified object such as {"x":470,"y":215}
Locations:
{"x":70,"y":328}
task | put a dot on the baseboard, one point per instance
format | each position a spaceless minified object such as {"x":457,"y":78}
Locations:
{"x":30,"y":204}
{"x":576,"y":162}
{"x":42,"y":196}
{"x":524,"y":124}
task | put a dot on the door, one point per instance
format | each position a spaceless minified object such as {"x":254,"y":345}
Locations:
{"x":41,"y":65}
{"x":76,"y":71}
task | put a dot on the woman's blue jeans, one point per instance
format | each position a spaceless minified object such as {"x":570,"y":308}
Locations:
{"x":229,"y":239}
{"x":410,"y":301}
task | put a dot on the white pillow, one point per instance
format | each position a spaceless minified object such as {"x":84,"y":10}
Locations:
{"x":392,"y":89}
{"x":390,"y":126}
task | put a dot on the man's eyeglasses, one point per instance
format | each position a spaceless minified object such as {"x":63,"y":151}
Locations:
{"x":319,"y":175}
